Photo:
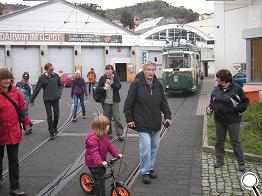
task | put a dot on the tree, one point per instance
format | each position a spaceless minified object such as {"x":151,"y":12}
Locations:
{"x":127,"y":19}
{"x":2,"y":6}
{"x":94,"y":8}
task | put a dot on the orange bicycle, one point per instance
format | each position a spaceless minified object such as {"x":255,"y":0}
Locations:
{"x":118,"y":187}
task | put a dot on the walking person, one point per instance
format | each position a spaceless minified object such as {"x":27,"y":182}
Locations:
{"x":26,"y":90}
{"x":78,"y":92}
{"x":109,"y":85}
{"x":91,"y":77}
{"x":97,"y":146}
{"x":52,"y":90}
{"x":143,"y":106}
{"x":11,"y":113}
{"x":228,"y":101}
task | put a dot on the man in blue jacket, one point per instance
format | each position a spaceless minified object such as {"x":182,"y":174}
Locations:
{"x":78,"y":92}
{"x":228,"y":101}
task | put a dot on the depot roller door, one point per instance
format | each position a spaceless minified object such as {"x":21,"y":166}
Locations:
{"x":25,"y":59}
{"x":62,"y":59}
{"x":2,"y":57}
{"x":93,"y":57}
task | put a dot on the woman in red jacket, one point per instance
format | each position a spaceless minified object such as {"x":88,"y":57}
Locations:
{"x":11,"y":102}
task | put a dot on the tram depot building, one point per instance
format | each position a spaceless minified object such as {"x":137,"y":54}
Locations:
{"x":72,"y":38}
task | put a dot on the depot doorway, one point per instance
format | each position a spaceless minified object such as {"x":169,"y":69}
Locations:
{"x":121,"y":71}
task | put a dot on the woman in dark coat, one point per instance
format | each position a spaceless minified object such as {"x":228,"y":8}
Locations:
{"x":143,"y":106}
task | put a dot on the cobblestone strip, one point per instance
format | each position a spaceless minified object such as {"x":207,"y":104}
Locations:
{"x":225,"y":181}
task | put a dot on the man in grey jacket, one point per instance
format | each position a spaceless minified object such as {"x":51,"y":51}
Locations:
{"x":52,"y":90}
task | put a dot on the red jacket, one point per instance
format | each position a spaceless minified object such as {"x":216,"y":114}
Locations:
{"x":97,"y":148}
{"x":10,"y":131}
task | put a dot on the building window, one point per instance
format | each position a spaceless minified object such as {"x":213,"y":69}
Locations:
{"x":176,"y":34}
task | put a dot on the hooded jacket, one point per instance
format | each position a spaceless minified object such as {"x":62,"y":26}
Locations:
{"x":10,"y":130}
{"x":144,"y":105}
{"x":78,"y":87}
{"x":97,"y":148}
{"x":228,"y":103}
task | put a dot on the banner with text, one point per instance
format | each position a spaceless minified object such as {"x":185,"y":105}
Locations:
{"x":33,"y":37}
{"x":93,"y":38}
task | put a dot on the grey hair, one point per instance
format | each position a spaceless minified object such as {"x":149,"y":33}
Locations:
{"x":147,"y":64}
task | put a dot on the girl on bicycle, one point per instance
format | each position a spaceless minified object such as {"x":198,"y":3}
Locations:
{"x":97,"y":145}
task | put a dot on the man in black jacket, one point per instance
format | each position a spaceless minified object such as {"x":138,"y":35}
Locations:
{"x":143,"y":106}
{"x":52,"y":90}
{"x":228,"y":101}
{"x":109,"y":86}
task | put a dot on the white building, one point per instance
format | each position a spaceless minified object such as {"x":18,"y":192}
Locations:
{"x":70,"y":37}
{"x":239,"y":37}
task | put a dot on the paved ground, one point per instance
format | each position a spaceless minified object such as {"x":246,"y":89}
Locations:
{"x":178,"y":162}
{"x":225,"y":180}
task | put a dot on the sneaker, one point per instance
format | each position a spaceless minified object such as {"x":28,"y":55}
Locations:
{"x":84,"y":115}
{"x":74,"y":119}
{"x":146,"y":179}
{"x":152,"y":174}
{"x":28,"y":132}
{"x":218,"y":164}
{"x":55,"y":131}
{"x":17,"y":192}
{"x":51,"y":137}
{"x":241,"y":167}
{"x":120,"y":138}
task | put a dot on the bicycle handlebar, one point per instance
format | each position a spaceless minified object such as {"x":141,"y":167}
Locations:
{"x":111,"y":162}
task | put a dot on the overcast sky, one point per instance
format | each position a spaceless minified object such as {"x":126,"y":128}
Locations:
{"x":200,"y":6}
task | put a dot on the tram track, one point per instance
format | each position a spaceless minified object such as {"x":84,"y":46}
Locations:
{"x":135,"y":173}
{"x":54,"y":187}
{"x":36,"y":149}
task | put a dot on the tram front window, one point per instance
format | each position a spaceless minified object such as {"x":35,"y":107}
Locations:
{"x":177,"y":62}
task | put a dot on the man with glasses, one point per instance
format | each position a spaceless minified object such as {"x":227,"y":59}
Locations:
{"x":26,"y":90}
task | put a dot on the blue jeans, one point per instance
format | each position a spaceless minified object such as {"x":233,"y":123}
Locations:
{"x":81,"y":98}
{"x":148,"y":146}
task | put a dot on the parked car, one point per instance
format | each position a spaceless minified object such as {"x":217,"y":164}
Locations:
{"x":240,"y":78}
{"x":67,"y":79}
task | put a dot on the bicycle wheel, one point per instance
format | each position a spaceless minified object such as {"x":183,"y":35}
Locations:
{"x":87,"y":183}
{"x":122,"y":191}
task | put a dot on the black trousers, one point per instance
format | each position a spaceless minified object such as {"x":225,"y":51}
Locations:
{"x":98,"y":174}
{"x":52,"y":123}
{"x":13,"y":164}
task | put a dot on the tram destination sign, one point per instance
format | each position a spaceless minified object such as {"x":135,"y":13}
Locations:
{"x":93,"y":38}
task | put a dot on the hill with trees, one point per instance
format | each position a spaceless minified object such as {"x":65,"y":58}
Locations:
{"x":145,"y":10}
{"x":153,"y":9}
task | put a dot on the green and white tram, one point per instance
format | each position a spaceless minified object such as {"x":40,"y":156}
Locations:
{"x":181,"y":63}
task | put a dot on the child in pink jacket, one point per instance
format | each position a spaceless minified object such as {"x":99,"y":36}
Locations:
{"x":97,"y":145}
